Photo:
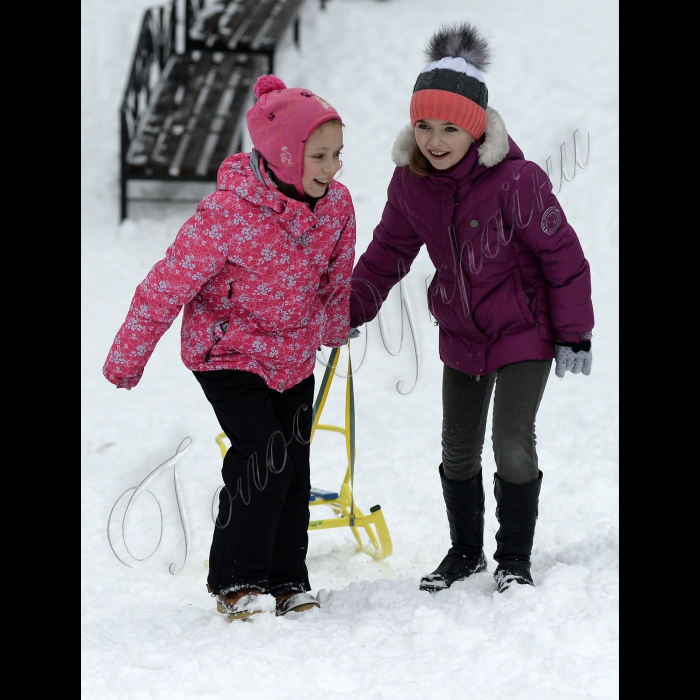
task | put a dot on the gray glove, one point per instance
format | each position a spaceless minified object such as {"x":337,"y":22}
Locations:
{"x":573,"y":357}
{"x":354,"y":333}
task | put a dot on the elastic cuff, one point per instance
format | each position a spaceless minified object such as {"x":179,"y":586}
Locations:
{"x":290,"y":587}
{"x":233,"y":586}
{"x":584,"y":345}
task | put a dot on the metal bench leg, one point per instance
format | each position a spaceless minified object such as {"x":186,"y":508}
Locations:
{"x":124,"y":145}
{"x":123,"y":199}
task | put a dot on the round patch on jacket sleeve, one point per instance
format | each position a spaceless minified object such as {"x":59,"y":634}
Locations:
{"x":551,"y":220}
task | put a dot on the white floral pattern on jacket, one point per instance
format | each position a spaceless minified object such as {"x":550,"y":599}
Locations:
{"x":264,"y":282}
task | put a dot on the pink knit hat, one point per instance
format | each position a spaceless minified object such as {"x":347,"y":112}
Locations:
{"x":281,"y":121}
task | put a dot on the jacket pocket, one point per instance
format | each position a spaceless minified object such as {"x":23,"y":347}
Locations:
{"x":450,"y":304}
{"x":500,"y":306}
{"x":217,"y":331}
{"x":523,"y":300}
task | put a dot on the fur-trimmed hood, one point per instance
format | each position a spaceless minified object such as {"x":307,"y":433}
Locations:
{"x":491,"y":152}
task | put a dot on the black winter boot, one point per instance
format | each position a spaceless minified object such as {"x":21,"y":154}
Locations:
{"x":465,"y":514}
{"x":516,"y":511}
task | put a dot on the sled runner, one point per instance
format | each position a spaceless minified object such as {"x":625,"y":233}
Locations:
{"x":347,"y":514}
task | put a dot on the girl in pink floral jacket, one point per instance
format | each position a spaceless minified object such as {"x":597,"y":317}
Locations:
{"x":262,"y":269}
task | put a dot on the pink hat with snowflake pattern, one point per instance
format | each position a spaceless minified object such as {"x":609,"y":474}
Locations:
{"x":281,"y":121}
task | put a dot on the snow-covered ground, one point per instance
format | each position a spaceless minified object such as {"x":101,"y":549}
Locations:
{"x":149,"y":634}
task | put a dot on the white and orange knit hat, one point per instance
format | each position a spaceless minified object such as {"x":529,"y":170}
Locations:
{"x":452,"y":87}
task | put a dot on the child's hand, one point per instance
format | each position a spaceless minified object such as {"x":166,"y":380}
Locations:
{"x":354,"y":333}
{"x":120,"y":383}
{"x":573,"y":357}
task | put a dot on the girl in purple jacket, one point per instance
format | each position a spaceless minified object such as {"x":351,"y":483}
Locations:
{"x":511,"y":292}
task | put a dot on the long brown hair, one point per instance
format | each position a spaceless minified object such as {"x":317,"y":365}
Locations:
{"x":418,"y":163}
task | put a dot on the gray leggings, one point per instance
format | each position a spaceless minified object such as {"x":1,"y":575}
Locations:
{"x":465,"y":405}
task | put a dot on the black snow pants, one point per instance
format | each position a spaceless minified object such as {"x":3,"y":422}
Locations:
{"x":261,"y":533}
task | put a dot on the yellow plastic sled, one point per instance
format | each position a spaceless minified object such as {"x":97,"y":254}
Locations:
{"x":342,"y":502}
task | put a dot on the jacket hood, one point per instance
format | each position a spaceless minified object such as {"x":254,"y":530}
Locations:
{"x":237,"y":174}
{"x":493,"y":149}
{"x":245,"y":174}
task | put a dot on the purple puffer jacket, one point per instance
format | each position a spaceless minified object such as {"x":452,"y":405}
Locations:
{"x":511,"y":276}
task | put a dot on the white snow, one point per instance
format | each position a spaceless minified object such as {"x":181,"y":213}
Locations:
{"x":149,"y":634}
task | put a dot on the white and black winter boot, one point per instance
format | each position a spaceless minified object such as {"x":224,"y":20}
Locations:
{"x":295,"y":601}
{"x":516,"y":511}
{"x":464,"y":501}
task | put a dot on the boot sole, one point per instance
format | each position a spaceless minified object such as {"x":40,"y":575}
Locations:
{"x":429,"y":587}
{"x":235,"y":616}
{"x":503,"y":587}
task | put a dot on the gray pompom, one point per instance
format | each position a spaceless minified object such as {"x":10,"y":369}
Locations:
{"x":459,"y":40}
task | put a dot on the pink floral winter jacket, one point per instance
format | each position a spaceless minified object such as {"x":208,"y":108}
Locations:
{"x":263,"y":279}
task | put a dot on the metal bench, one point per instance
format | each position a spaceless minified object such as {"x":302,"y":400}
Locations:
{"x":182,"y":113}
{"x":247,"y":26}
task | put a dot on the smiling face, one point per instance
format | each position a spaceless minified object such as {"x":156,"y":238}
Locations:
{"x":443,"y":143}
{"x":322,"y":158}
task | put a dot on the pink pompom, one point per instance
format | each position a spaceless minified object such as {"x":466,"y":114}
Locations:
{"x":267,"y":83}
